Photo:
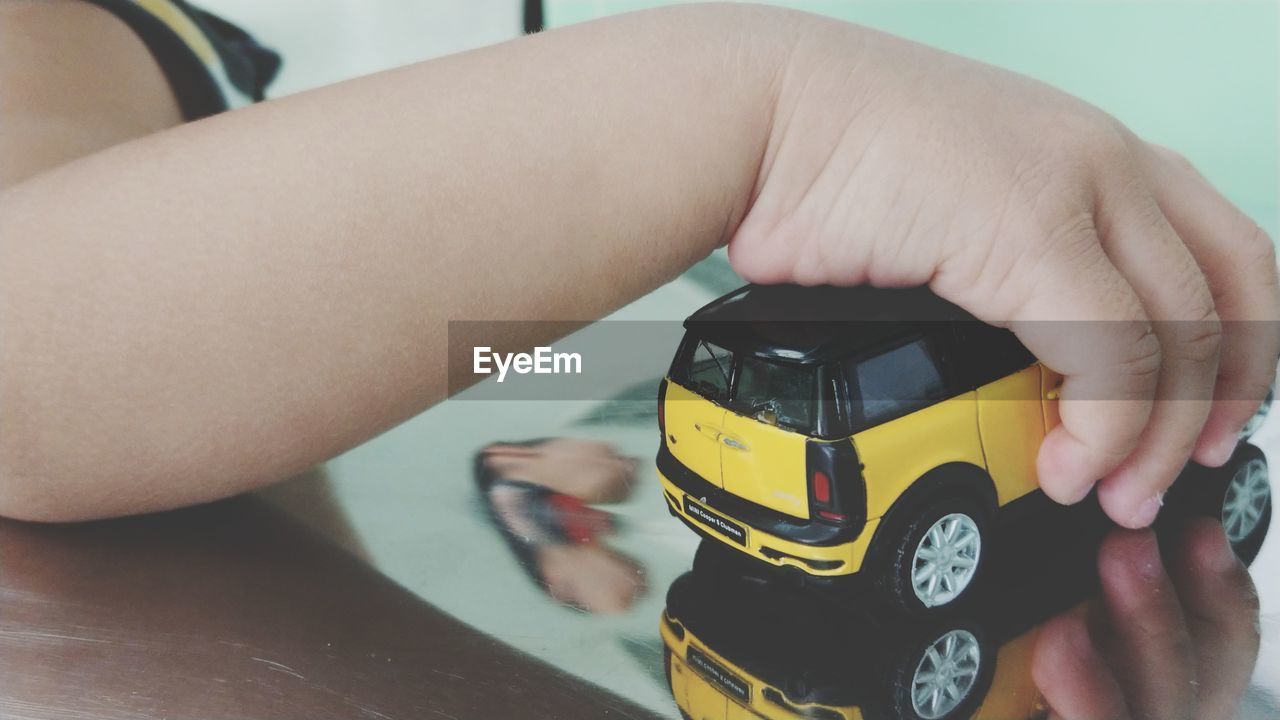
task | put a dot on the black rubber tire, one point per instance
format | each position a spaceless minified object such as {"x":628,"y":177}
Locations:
{"x":904,"y":667}
{"x":893,"y":565}
{"x":1248,"y":548}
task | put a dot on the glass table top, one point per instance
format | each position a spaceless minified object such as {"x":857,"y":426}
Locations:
{"x":516,"y":559}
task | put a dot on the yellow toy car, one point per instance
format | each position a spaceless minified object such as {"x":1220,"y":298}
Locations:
{"x":842,"y":431}
{"x":736,"y":649}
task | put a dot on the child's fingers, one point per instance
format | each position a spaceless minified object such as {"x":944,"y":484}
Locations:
{"x":512,"y":451}
{"x":1239,"y":263}
{"x":1145,"y":248}
{"x":1082,"y":318}
{"x":1221,"y":607}
{"x":1072,"y":675}
{"x":1152,"y":647}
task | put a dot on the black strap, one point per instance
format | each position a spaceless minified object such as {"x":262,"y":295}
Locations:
{"x":250,"y":66}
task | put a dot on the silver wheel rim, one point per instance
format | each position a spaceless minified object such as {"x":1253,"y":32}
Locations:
{"x":946,"y":559}
{"x":1246,"y":500}
{"x":946,"y":674}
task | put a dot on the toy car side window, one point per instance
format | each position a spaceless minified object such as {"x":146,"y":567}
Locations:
{"x":708,"y":371}
{"x":894,"y":382}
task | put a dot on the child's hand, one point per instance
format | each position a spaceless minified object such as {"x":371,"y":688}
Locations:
{"x":896,"y":164}
{"x":1163,"y":641}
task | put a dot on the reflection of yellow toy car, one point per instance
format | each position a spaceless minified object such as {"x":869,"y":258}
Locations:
{"x":708,"y":686}
{"x":738,"y":648}
{"x":735,"y":649}
{"x":885,"y":445}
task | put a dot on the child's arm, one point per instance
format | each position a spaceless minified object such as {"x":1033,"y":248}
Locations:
{"x":224,"y":304}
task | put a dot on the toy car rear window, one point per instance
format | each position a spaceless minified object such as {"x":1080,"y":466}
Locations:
{"x":747,"y":384}
{"x":787,"y":391}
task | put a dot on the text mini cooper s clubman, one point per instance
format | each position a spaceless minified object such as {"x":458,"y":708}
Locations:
{"x":884,"y":443}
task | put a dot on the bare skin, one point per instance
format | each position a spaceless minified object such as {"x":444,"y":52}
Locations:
{"x":74,"y":80}
{"x":220,"y":305}
{"x":1177,"y":641}
{"x":589,"y":470}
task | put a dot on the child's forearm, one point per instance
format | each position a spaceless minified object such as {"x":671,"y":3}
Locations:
{"x":227,"y":303}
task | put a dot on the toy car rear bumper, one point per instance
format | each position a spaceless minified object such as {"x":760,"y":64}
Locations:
{"x":815,"y":548}
{"x":717,"y":674}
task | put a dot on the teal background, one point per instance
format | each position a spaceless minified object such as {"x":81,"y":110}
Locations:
{"x":1200,"y":77}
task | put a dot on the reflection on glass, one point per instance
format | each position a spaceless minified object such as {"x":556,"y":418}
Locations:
{"x":736,"y":644}
{"x":896,"y":381}
{"x":539,"y":494}
{"x":785,"y":390}
{"x":744,"y":641}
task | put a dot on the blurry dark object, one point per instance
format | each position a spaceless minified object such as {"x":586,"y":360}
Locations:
{"x":557,"y":536}
{"x":533,"y":16}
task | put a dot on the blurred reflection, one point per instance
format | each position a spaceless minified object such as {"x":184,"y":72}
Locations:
{"x":1085,"y":621}
{"x":234,"y":610}
{"x":539,"y":495}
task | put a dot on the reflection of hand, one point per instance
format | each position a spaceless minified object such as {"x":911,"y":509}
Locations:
{"x":586,"y":469}
{"x":591,"y":577}
{"x":1169,"y":646}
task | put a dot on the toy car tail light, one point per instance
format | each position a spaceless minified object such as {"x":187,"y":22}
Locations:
{"x":821,"y":484}
{"x":662,"y":408}
{"x":836,"y":491}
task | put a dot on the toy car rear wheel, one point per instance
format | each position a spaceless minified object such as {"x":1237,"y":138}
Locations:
{"x":942,"y":671}
{"x":934,"y":557}
{"x":946,"y":675}
{"x":1246,"y":502}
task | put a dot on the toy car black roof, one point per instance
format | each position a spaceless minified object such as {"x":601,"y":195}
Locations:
{"x":799,"y":324}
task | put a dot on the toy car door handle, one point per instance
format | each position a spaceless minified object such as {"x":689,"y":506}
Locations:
{"x":733,"y":443}
{"x":713,"y":432}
